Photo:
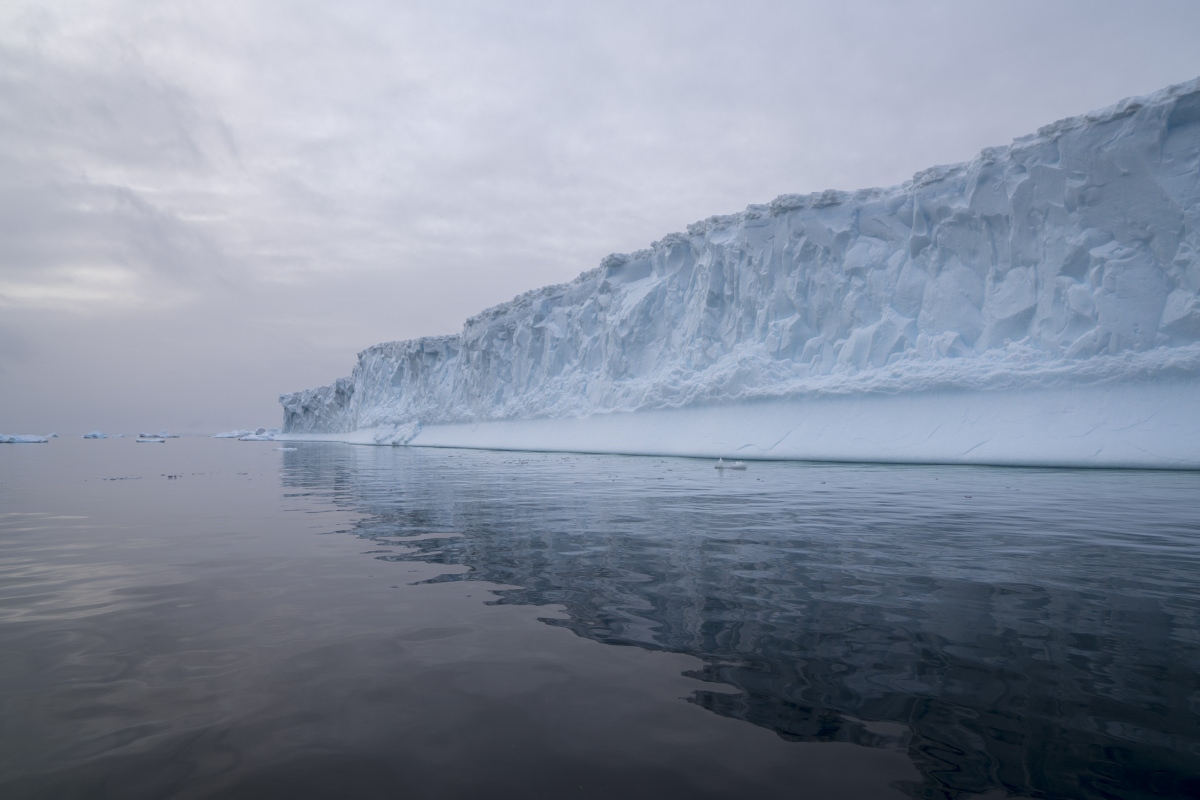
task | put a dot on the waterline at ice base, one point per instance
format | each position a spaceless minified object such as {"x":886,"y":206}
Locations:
{"x":1039,"y":305}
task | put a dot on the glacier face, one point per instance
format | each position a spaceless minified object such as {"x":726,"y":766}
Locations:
{"x":1067,"y":260}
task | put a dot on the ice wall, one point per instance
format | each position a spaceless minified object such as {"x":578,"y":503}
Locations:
{"x":1069,"y":259}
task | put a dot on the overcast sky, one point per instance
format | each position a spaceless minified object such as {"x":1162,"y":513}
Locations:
{"x":205,"y":204}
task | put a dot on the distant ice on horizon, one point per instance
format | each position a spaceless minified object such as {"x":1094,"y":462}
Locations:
{"x":1037,"y":305}
{"x":256,"y":435}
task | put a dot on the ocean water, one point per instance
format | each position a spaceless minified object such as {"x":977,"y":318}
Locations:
{"x":213,"y":618}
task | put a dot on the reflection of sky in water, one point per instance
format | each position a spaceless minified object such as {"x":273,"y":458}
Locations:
{"x":1031,"y":630}
{"x":41,"y":580}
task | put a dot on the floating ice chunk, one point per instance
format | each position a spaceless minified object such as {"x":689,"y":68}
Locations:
{"x":150,"y":440}
{"x":261,"y":435}
{"x":232,"y":434}
{"x":22,"y":438}
{"x":95,"y":435}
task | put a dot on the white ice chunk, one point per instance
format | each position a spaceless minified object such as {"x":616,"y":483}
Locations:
{"x":261,"y":435}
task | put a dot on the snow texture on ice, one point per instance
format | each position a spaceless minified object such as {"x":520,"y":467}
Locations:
{"x":1068,"y":260}
{"x":261,"y":435}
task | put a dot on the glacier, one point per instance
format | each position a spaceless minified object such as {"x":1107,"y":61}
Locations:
{"x":1038,"y":305}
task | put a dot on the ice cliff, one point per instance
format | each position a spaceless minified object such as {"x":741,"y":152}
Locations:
{"x":1061,"y":271}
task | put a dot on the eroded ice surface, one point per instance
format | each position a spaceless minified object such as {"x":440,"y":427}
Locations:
{"x":1038,"y":304}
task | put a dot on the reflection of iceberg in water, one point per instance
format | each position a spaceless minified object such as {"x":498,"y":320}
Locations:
{"x":1007,"y":639}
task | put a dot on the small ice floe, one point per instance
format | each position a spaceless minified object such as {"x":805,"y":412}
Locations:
{"x":95,"y":435}
{"x":160,"y":435}
{"x":232,"y":434}
{"x":21,"y":438}
{"x":287,"y":449}
{"x":150,"y":440}
{"x":740,"y":465}
{"x":261,"y":435}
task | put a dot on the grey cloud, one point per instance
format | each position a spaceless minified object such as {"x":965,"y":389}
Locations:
{"x":307,"y":178}
{"x":87,"y":115}
{"x":53,"y":223}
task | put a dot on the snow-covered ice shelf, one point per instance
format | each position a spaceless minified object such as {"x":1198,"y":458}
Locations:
{"x":1037,"y":305}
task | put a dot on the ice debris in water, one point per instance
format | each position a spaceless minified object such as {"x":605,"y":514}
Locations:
{"x":261,"y":435}
{"x":1037,"y":305}
{"x":22,"y":438}
{"x":247,"y":435}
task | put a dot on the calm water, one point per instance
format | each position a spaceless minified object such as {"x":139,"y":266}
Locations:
{"x":211,"y":618}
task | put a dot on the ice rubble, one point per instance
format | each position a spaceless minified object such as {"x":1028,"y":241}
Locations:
{"x":257,"y":435}
{"x":1037,"y":305}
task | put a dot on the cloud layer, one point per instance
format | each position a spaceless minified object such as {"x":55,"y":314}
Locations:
{"x":202,"y":205}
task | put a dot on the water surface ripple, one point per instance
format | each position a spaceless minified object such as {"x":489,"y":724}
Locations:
{"x":225,"y":619}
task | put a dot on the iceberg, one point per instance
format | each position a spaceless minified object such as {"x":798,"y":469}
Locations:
{"x":1038,"y":305}
{"x":23,"y":438}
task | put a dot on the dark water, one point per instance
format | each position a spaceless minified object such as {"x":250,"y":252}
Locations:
{"x":377,"y":622}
